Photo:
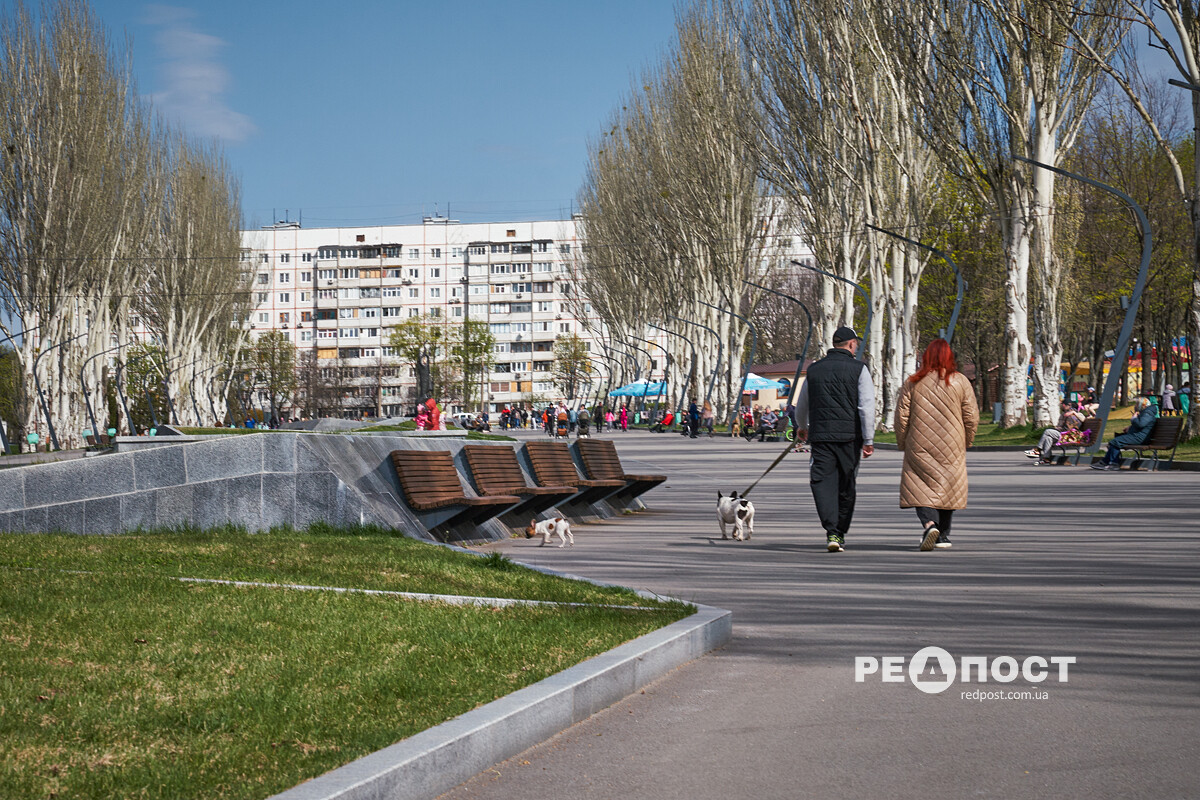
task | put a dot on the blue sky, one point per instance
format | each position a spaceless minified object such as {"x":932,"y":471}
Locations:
{"x":373,"y":112}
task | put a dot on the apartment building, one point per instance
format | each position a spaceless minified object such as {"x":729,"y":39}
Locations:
{"x":336,"y":293}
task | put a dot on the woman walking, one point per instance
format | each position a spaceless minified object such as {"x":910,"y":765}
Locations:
{"x":936,"y":420}
{"x":625,"y":418}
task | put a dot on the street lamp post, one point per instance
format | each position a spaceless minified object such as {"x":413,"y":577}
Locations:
{"x":666,"y":373}
{"x":4,"y":439}
{"x":83,"y":385}
{"x":1122,"y":350}
{"x":858,"y":288}
{"x":807,"y":336}
{"x":746,"y":372}
{"x":691,"y":370}
{"x":38,"y":383}
{"x":720,"y":349}
{"x":960,"y":285}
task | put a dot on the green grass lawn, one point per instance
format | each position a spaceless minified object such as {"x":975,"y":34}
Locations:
{"x":116,"y":680}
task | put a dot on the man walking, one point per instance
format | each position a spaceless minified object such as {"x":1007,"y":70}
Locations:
{"x":836,"y":409}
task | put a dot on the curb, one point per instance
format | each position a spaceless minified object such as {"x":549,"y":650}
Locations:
{"x":438,"y":759}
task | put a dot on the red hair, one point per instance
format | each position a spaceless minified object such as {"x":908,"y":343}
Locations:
{"x":938,"y":357}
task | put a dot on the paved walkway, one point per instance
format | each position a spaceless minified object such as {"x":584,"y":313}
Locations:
{"x":1054,"y":561}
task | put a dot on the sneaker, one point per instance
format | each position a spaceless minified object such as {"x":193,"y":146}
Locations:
{"x":1100,"y":465}
{"x":835,"y":543}
{"x":943,"y":542}
{"x":930,"y":538}
{"x":1033,"y":453}
{"x":1111,"y":467}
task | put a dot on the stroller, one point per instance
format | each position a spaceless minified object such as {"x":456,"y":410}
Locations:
{"x":583,"y":425}
{"x":561,"y":431}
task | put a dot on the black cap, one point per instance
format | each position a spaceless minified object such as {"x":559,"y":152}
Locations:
{"x":844,"y":334}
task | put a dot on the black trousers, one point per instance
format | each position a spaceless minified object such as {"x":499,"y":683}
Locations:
{"x":938,"y":516}
{"x":832,"y":473}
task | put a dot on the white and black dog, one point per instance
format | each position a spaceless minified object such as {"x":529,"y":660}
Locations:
{"x":738,"y":512}
{"x":547,"y":528}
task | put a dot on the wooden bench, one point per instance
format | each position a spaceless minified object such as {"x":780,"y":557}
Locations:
{"x":553,"y":466}
{"x":1092,"y":427}
{"x":601,"y":462}
{"x":431,"y":486}
{"x":1163,"y":436}
{"x":495,"y":471}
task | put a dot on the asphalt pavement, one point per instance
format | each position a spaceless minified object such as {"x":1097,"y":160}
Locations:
{"x":1048,"y":563}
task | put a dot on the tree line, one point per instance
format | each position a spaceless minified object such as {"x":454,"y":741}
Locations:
{"x":880,"y":133}
{"x":111,"y":221}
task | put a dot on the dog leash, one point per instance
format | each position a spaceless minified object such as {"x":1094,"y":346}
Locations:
{"x":774,"y":464}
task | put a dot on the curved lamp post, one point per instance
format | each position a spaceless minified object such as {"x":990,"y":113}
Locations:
{"x":83,"y":385}
{"x":746,"y":372}
{"x":858,"y":288}
{"x":958,"y":279}
{"x":807,"y":336}
{"x":691,"y":370}
{"x":167,"y":386}
{"x":1122,"y":351}
{"x":720,"y":351}
{"x":3,"y":439}
{"x":41,"y":395}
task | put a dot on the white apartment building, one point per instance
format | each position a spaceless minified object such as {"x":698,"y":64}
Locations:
{"x":337,"y":292}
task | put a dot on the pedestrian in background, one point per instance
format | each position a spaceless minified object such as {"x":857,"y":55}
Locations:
{"x":936,"y":420}
{"x":836,"y":410}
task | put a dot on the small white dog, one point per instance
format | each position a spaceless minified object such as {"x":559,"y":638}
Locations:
{"x":547,"y":528}
{"x":738,"y":512}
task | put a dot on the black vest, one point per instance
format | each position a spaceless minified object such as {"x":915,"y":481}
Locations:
{"x":833,"y":398}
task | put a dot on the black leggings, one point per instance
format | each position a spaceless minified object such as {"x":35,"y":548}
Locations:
{"x":938,"y":516}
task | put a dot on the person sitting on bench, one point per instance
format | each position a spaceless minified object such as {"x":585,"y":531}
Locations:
{"x":766,"y":424}
{"x":1138,"y":431}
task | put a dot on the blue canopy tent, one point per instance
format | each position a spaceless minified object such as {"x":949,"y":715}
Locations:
{"x":756,"y":383}
{"x":640,"y":388}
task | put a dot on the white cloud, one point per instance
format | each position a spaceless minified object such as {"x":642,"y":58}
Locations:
{"x":193,"y":78}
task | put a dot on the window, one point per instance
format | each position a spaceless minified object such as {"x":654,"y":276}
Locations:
{"x":456,"y":291}
{"x":520,"y":366}
{"x":285,"y":258}
{"x":264,"y":318}
{"x":543,"y":266}
{"x":435,"y":272}
{"x":539,"y":327}
{"x":284,"y":318}
{"x":244,"y":255}
{"x":368,"y":293}
{"x":521,"y":287}
{"x":262,"y":297}
{"x":564,"y":327}
{"x":564,"y":248}
{"x":391,"y":252}
{"x":285,"y":277}
{"x":414,"y":312}
{"x":501,"y":368}
{"x":348,"y":333}
{"x":542,"y":366}
{"x":497,"y":387}
{"x":326,"y":314}
{"x":393,"y":291}
{"x":543,"y":305}
{"x":369,"y":352}
{"x":414,"y":253}
{"x":499,"y":327}
{"x":435,"y":252}
{"x":326,"y":294}
{"x":500,"y":347}
{"x":349,"y":273}
{"x":392,"y":311}
{"x":478,"y":309}
{"x":499,"y":288}
{"x":543,"y":386}
{"x":510,"y":232}
{"x":500,"y":269}
{"x":543,"y":287}
{"x":498,"y":308}
{"x":305,"y":297}
{"x":458,"y":312}
{"x":306,"y":316}
{"x":369,"y":313}
{"x":479,"y":289}
{"x":331,"y":333}
{"x":395,"y":273}
{"x":541,"y":247}
{"x":326,"y":252}
{"x":477,"y":270}
{"x":326,"y":274}
{"x":499,"y":248}
{"x":435,"y":292}
{"x":306,"y":256}
{"x":263,"y":279}
{"x":436,"y":311}
{"x":478,"y":250}
{"x":347,"y":313}
{"x":306,"y":336}
{"x":456,"y":252}
{"x":519,"y":308}
{"x":521,"y":347}
{"x":520,"y":327}
{"x":306,"y":277}
{"x":266,"y":259}
{"x":348,"y":293}
{"x":414,"y":292}
{"x":348,"y":252}
{"x":414,"y":273}
{"x":285,"y":297}
{"x":369,"y":332}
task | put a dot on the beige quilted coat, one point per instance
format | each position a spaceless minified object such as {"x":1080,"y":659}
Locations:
{"x":935,"y":424}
